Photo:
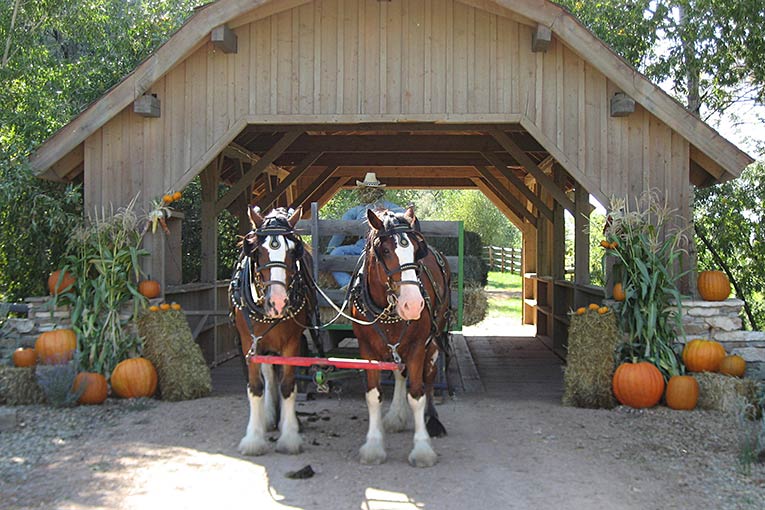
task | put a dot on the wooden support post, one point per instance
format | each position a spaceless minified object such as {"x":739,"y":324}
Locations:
{"x":544,"y":240}
{"x":543,"y":179}
{"x":266,"y":201}
{"x":248,"y":178}
{"x":582,"y":236}
{"x":515,"y":181}
{"x":558,"y":233}
{"x":209,"y":239}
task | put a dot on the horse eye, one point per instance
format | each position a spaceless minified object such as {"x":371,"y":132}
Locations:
{"x":386,"y":251}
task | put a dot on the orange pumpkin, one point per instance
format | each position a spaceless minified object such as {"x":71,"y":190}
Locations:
{"x":682,"y":393}
{"x":167,"y":198}
{"x":134,"y":377}
{"x":153,"y":308}
{"x":93,"y":387}
{"x":603,"y":310}
{"x":175,"y":306}
{"x":55,"y":287}
{"x":703,"y":355}
{"x":619,"y":294}
{"x":24,"y":357}
{"x":177,"y":196}
{"x":56,"y":346}
{"x":733,"y":365}
{"x":638,"y":385}
{"x":149,"y":288}
{"x":164,"y":307}
{"x":581,"y":310}
{"x":713,"y":286}
{"x":594,"y":307}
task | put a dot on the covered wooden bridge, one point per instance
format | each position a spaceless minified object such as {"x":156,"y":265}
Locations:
{"x":289,"y":101}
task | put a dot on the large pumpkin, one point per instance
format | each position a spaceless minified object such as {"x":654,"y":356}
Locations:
{"x":56,"y":346}
{"x":134,"y":377}
{"x":149,"y":288}
{"x":682,"y":392}
{"x":93,"y":387}
{"x":638,"y":385}
{"x":24,"y":357}
{"x":713,"y":286}
{"x":56,"y":287}
{"x":619,"y":292}
{"x":733,"y":365}
{"x":703,"y":355}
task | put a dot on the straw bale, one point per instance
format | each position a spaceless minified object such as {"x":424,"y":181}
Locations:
{"x":722,"y":392}
{"x":590,"y":364}
{"x":168,"y":343}
{"x":475,"y":303}
{"x":18,"y":386}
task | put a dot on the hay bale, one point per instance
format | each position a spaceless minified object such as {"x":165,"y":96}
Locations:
{"x":168,"y":343}
{"x":590,"y":364}
{"x":18,"y":386}
{"x":475,"y":303}
{"x":722,"y":392}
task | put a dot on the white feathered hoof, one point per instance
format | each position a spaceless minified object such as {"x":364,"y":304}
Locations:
{"x":290,"y":444}
{"x":423,"y":455}
{"x":372,"y":453}
{"x":251,"y":445}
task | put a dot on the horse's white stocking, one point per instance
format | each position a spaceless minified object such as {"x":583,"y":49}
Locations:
{"x":254,"y":442}
{"x":373,"y":451}
{"x":396,"y":418}
{"x":289,"y":439}
{"x":272,"y":395}
{"x":422,"y":455}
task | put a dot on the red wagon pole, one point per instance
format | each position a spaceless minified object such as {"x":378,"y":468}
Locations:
{"x":303,"y":361}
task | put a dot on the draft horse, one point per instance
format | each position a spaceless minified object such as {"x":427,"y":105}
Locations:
{"x":272,"y":303}
{"x":403,"y":290}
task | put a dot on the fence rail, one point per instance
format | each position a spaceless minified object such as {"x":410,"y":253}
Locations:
{"x":504,"y":260}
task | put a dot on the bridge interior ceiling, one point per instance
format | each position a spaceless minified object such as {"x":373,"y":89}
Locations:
{"x":316,"y":161}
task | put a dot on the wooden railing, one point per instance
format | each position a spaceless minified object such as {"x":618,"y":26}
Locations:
{"x":504,"y":260}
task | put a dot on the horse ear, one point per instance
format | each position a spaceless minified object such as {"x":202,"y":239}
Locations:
{"x":409,"y":215}
{"x":295,"y":217}
{"x":255,"y":218}
{"x":374,"y":221}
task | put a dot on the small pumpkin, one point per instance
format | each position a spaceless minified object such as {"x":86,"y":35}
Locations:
{"x":682,"y":393}
{"x":613,"y":245}
{"x":713,"y":286}
{"x":93,"y":387}
{"x":24,"y":357}
{"x":134,"y":377}
{"x":594,"y":306}
{"x":703,"y":355}
{"x":603,"y":310}
{"x":164,"y":307}
{"x":59,"y":287}
{"x":605,"y":244}
{"x":177,"y":196}
{"x":167,"y":198}
{"x":153,"y":308}
{"x":175,"y":306}
{"x":619,"y":294}
{"x":581,"y":310}
{"x":733,"y":365}
{"x":149,"y":288}
{"x":638,"y":385}
{"x":56,"y":346}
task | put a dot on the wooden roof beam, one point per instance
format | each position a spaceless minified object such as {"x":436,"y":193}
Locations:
{"x":309,"y":160}
{"x":318,"y":182}
{"x":502,"y":205}
{"x":501,"y":192}
{"x":519,"y":185}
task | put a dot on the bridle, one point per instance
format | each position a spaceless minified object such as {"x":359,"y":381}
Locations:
{"x":405,"y":235}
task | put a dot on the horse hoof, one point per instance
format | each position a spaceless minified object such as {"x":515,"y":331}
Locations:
{"x":253,"y":446}
{"x":435,"y":427}
{"x":423,"y":456}
{"x":291,"y":445}
{"x":372,"y":454}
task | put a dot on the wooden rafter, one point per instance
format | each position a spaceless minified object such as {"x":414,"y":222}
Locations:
{"x":500,"y":191}
{"x":519,"y":185}
{"x":502,"y":205}
{"x":266,"y":201}
{"x":318,"y":182}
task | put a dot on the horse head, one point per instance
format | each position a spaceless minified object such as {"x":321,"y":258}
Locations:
{"x":275,"y":251}
{"x":398,"y":246}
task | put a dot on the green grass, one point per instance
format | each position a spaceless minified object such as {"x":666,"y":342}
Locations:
{"x":502,"y":307}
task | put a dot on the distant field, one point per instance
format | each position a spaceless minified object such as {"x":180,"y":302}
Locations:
{"x":500,"y":305}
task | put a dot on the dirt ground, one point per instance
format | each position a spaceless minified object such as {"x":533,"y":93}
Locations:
{"x":513,"y":451}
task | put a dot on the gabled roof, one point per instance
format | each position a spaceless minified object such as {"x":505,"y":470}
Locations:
{"x":63,"y":152}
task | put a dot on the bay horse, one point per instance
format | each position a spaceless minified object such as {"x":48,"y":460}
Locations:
{"x":269,"y":293}
{"x":403,"y":290}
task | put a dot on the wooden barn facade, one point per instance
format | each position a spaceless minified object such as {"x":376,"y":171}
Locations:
{"x":288,"y":101}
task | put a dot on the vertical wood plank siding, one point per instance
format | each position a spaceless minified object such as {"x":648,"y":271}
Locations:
{"x":368,"y":59}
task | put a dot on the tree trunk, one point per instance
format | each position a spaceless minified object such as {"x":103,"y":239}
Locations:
{"x":692,"y":78}
{"x":7,"y":50}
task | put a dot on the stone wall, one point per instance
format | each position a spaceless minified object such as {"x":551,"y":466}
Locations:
{"x":23,"y":332}
{"x":719,"y":320}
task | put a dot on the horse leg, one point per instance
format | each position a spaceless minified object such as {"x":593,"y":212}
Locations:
{"x":254,"y":442}
{"x":373,"y":451}
{"x":271,"y":392}
{"x":433,"y":424}
{"x":289,"y":427}
{"x":422,"y":455}
{"x":398,"y":414}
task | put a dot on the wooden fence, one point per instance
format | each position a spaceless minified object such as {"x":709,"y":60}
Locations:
{"x":504,"y":260}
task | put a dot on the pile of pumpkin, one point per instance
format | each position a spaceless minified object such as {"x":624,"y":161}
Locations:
{"x":642,"y":385}
{"x":131,"y":378}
